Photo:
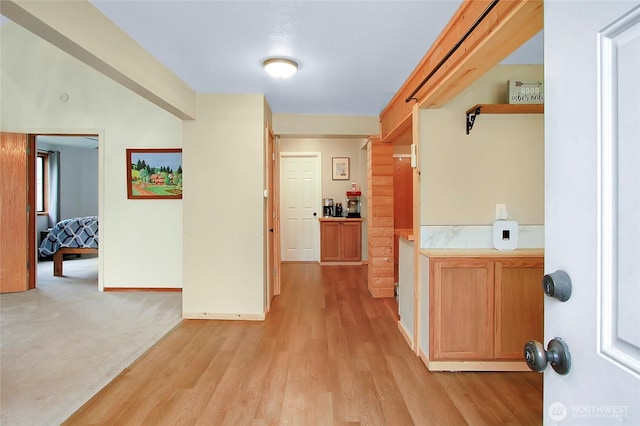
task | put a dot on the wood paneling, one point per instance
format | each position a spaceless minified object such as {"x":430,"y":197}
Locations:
{"x":380,"y":218}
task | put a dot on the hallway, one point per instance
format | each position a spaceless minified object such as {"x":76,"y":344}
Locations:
{"x":327,"y":354}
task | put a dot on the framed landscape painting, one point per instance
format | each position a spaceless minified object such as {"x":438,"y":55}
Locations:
{"x":154,"y":173}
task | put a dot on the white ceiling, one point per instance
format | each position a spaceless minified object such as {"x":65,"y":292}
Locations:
{"x":353,"y":55}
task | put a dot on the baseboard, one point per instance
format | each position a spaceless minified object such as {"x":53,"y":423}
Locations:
{"x":405,"y":334}
{"x":382,"y":292}
{"x":477,"y":366}
{"x":218,"y":316}
{"x":423,"y":357}
{"x":160,"y":289}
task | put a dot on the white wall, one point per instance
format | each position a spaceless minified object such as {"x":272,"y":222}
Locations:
{"x":464,"y":176}
{"x":224,"y":208}
{"x":140,"y":240}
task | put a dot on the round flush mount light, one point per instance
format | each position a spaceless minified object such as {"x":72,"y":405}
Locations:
{"x":280,"y":67}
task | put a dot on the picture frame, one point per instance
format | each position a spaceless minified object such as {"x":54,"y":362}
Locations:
{"x":154,"y":173}
{"x":340,"y":168}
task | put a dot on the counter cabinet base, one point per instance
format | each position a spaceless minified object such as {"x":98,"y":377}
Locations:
{"x":473,"y":365}
{"x":341,"y":263}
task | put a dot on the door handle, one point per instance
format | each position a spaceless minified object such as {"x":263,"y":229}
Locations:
{"x":271,"y":230}
{"x":557,"y":354}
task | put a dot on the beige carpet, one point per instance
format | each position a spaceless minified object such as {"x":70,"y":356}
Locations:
{"x":64,"y":341}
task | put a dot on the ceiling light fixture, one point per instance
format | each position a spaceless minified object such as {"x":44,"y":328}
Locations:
{"x":280,"y":67}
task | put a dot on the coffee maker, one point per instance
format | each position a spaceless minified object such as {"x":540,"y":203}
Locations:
{"x":338,"y":210}
{"x":327,"y":207}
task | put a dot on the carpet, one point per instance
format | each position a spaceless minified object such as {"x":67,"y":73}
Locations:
{"x":64,"y":341}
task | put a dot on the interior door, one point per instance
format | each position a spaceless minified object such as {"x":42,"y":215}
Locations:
{"x":299,"y":206}
{"x":592,"y":198}
{"x":14,"y":216}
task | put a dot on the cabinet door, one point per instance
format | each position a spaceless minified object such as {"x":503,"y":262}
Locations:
{"x":462,"y":309}
{"x":351,"y":241}
{"x":519,"y":305}
{"x":330,"y":240}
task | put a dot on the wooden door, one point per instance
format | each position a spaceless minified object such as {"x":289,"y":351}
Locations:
{"x":14,"y":217}
{"x":462,"y":297}
{"x":519,"y":305}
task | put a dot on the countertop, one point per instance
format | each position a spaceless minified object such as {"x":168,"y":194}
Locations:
{"x":486,"y":252}
{"x":407,"y":234}
{"x":341,"y":219}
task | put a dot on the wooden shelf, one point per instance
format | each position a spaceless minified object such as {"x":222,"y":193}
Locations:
{"x":474,"y":111}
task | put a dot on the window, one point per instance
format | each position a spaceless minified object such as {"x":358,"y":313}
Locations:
{"x":42,"y":181}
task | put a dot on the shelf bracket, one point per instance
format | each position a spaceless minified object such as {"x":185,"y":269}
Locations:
{"x":471,"y":118}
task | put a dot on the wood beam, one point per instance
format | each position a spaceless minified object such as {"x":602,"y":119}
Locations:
{"x":507,"y":26}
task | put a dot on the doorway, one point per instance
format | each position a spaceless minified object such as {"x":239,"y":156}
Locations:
{"x":65,"y":185}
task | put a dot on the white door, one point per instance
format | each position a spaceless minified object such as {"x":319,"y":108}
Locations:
{"x":300,"y":206}
{"x":592,"y":202}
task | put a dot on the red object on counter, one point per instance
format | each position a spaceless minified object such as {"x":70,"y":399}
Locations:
{"x":353,"y":193}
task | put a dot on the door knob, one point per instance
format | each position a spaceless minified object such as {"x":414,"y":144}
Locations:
{"x":557,"y":354}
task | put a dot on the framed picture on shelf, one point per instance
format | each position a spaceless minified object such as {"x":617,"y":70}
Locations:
{"x":340,"y":168}
{"x":154,"y":173}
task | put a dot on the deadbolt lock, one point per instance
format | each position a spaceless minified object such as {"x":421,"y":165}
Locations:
{"x":558,"y":285}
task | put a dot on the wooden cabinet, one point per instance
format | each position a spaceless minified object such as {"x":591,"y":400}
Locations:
{"x":483,"y":310}
{"x":341,"y":240}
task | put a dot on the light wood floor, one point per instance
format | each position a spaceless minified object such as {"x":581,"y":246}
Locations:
{"x":327,"y":354}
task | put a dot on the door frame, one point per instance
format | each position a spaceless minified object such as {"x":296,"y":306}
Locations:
{"x":272,"y":269}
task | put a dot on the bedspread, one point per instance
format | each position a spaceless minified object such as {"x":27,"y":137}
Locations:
{"x":79,"y":232}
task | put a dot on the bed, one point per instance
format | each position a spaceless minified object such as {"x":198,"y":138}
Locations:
{"x":78,"y":235}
